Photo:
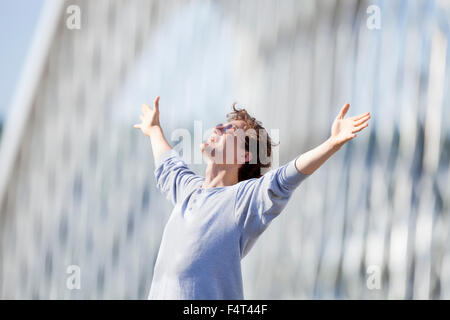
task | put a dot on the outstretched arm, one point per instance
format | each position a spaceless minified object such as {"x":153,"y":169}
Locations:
{"x":342,"y":131}
{"x":151,"y":127}
{"x":173,"y":178}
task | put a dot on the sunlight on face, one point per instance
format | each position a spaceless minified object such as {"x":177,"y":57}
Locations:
{"x":226,"y":144}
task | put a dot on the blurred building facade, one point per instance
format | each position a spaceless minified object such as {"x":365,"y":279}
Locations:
{"x":77,"y":184}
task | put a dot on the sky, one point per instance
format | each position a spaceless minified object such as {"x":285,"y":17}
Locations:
{"x":18,"y":20}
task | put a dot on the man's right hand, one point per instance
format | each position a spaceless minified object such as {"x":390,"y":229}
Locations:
{"x":149,"y":119}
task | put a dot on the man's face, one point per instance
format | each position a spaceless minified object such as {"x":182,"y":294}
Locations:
{"x":226,"y":144}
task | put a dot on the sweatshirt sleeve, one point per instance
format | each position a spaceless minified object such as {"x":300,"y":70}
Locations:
{"x":173,"y":177}
{"x":259,"y":201}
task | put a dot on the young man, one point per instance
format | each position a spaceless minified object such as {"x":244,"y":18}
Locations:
{"x":217,"y":218}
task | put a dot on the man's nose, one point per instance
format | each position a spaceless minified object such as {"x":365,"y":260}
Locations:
{"x":217,"y":131}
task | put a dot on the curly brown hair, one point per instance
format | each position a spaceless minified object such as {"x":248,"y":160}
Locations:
{"x":257,"y":142}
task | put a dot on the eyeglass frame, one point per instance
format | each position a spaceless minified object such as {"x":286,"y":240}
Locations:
{"x":224,"y":129}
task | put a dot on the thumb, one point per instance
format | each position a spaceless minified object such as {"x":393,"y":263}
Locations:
{"x":343,"y":111}
{"x":156,"y":103}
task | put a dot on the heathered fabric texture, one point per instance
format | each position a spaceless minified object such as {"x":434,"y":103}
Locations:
{"x":210,"y":230}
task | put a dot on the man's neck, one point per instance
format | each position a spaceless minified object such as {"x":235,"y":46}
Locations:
{"x":220,"y":175}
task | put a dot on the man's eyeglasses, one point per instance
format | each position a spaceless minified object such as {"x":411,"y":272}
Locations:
{"x":224,"y":129}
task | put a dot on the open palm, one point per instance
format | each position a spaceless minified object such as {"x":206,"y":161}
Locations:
{"x":149,"y":118}
{"x":344,"y":130}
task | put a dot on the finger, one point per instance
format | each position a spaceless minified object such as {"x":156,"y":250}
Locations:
{"x":156,"y":103}
{"x":362,"y":120}
{"x":343,"y":111}
{"x":359,"y":128}
{"x":138,"y":126}
{"x":145,"y":108}
{"x":361,"y":116}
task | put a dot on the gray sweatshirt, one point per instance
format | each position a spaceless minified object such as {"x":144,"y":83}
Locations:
{"x":210,"y":230}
